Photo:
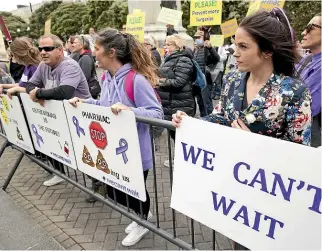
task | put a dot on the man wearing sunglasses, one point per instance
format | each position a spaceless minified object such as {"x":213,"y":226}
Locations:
{"x":57,"y":77}
{"x":309,"y":71}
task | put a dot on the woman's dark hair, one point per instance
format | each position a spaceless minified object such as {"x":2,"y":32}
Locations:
{"x":273,"y":33}
{"x":128,"y":50}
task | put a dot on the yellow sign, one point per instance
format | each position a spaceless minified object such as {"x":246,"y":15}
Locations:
{"x":217,"y":40}
{"x":135,"y":25}
{"x":268,"y":5}
{"x":4,"y":116}
{"x":169,"y":16}
{"x":48,"y":26}
{"x":135,"y":11}
{"x":229,"y":28}
{"x":5,"y":103}
{"x":205,"y":12}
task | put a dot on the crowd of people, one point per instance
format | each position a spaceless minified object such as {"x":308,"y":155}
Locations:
{"x":264,"y":82}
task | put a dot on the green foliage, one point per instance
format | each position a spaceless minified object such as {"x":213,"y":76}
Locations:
{"x":114,"y":17}
{"x":67,"y":19}
{"x":13,"y":23}
{"x":95,"y":9}
{"x":185,"y":8}
{"x":300,"y":13}
{"x":40,"y":16}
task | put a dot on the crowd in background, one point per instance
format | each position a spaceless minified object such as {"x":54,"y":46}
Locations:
{"x":264,"y":82}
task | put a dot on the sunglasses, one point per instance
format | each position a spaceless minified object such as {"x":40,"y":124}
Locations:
{"x":310,"y":27}
{"x":47,"y":48}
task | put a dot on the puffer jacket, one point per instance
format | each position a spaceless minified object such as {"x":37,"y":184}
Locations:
{"x":176,"y":78}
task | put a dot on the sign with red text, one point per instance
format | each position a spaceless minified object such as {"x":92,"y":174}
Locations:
{"x":14,"y":123}
{"x":261,"y":192}
{"x":49,"y":129}
{"x":107,"y":147}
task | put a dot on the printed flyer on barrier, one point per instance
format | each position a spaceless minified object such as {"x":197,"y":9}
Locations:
{"x":107,"y":147}
{"x":261,"y":192}
{"x":49,"y":129}
{"x":14,"y":123}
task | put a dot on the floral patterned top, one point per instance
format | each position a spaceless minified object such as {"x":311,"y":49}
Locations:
{"x":281,"y":109}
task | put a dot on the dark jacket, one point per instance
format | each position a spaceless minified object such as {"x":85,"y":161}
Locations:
{"x":175,"y":90}
{"x":205,"y":56}
{"x":157,"y":57}
{"x":16,"y":71}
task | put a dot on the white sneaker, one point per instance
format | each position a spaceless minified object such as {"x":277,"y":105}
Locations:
{"x":53,"y":181}
{"x":167,"y":163}
{"x":135,"y":236}
{"x":134,"y":224}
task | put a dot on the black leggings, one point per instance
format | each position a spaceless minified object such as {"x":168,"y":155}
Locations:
{"x":134,"y":203}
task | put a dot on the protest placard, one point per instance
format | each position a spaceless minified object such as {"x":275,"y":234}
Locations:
{"x":217,"y":40}
{"x":229,"y":28}
{"x":49,"y":129}
{"x":205,"y":12}
{"x":169,"y":16}
{"x":268,"y":5}
{"x":48,"y":26}
{"x":14,"y":123}
{"x":261,"y":192}
{"x":107,"y":147}
{"x":135,"y":25}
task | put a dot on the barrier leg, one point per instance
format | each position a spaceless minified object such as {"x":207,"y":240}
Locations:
{"x":12,"y":172}
{"x":4,"y":146}
{"x":238,"y":246}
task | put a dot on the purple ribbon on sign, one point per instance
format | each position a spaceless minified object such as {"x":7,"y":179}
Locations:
{"x":122,"y":149}
{"x":38,"y":137}
{"x":79,"y":130}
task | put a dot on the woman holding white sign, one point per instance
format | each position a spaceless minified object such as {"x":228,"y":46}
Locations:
{"x":128,"y":85}
{"x":263,"y":96}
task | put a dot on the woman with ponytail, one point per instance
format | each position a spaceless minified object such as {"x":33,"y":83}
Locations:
{"x":263,"y":96}
{"x":25,"y":54}
{"x":123,"y":56}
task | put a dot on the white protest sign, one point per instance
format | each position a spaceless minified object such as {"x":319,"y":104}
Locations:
{"x":14,"y":123}
{"x":169,"y":16}
{"x":107,"y":147}
{"x":49,"y":129}
{"x":261,"y":192}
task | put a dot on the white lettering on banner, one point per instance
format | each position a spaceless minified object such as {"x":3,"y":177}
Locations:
{"x":14,"y":123}
{"x":249,"y":187}
{"x":49,"y":129}
{"x":107,"y":147}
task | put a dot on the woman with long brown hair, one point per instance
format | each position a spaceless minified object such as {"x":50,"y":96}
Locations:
{"x":124,"y":57}
{"x":25,"y":54}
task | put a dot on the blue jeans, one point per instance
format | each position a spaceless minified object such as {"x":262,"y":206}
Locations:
{"x":206,"y":94}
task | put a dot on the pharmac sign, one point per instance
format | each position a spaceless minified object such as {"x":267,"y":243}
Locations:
{"x":259,"y":191}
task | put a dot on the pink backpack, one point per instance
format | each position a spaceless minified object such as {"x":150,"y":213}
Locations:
{"x":129,"y":86}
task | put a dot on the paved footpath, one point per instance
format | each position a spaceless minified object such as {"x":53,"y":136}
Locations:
{"x":76,"y":225}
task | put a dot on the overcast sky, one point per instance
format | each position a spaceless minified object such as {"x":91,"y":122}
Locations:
{"x":8,"y":5}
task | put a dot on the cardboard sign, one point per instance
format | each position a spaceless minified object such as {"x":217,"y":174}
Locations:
{"x":14,"y":123}
{"x":205,"y":12}
{"x":261,"y":192}
{"x":268,"y":5}
{"x":48,"y":26}
{"x":229,"y":28}
{"x":135,"y":25}
{"x":49,"y":129}
{"x":217,"y":40}
{"x":169,"y":16}
{"x":107,"y":147}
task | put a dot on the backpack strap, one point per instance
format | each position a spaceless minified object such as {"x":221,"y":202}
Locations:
{"x":129,"y":86}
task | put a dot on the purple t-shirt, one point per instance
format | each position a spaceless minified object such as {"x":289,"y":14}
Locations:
{"x":67,"y":72}
{"x":27,"y":74}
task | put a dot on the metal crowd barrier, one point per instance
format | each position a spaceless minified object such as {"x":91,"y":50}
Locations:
{"x":81,"y":181}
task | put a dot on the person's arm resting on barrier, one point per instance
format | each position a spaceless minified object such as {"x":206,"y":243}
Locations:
{"x":35,"y":80}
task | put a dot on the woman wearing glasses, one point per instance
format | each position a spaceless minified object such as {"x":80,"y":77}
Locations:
{"x":25,"y":54}
{"x":309,"y":71}
{"x":263,"y":96}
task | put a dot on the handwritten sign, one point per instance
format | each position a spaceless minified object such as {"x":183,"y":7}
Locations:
{"x":268,"y":199}
{"x":48,"y":26}
{"x":229,"y":28}
{"x":135,"y":25}
{"x":49,"y":129}
{"x":217,"y":40}
{"x":205,"y":12}
{"x":169,"y":16}
{"x":107,"y":147}
{"x":14,"y":123}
